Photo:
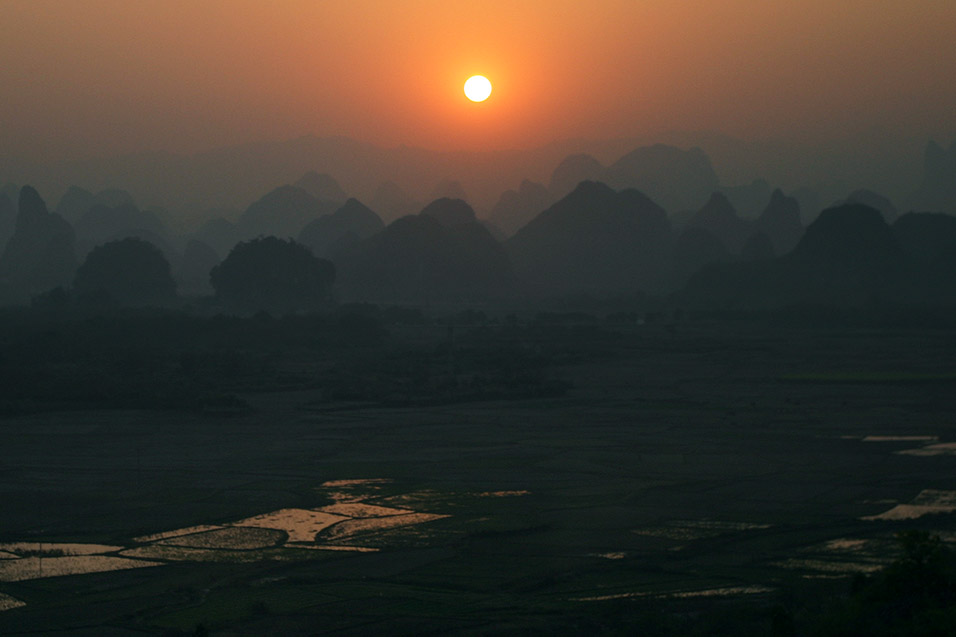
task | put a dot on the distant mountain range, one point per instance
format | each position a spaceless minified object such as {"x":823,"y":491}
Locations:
{"x":655,"y":221}
{"x":397,"y":181}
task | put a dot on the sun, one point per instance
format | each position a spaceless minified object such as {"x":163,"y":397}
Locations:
{"x":477,"y":88}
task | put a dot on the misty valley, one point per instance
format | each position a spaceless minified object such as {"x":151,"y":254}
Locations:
{"x":634,"y":400}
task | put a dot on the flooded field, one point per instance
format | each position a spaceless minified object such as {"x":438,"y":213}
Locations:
{"x":928,"y":502}
{"x":260,"y":537}
{"x":686,"y":471}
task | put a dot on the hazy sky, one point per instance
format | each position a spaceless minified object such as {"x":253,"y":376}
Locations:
{"x":94,"y":77}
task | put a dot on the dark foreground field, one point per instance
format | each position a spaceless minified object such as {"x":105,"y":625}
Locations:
{"x":708,"y":479}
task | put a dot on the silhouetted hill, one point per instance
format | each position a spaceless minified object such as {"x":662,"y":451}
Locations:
{"x":449,"y":212}
{"x":874,"y":200}
{"x":328,"y":235}
{"x":418,"y":258}
{"x":322,"y":187}
{"x":129,"y":271}
{"x":847,"y":257}
{"x":102,"y":223}
{"x":720,"y":219}
{"x":391,"y":202}
{"x":780,"y":222}
{"x":851,"y":235}
{"x":448,"y":189}
{"x":115,"y":197}
{"x":283,"y":212}
{"x":272,"y":274}
{"x":219,"y":233}
{"x":572,"y":171}
{"x":928,"y":241}
{"x":758,"y":247}
{"x":40,"y":255}
{"x":75,"y":203}
{"x":937,"y":191}
{"x":811,"y":204}
{"x":516,"y":208}
{"x":594,"y":240}
{"x":750,"y":199}
{"x":694,"y":248}
{"x":676,"y":178}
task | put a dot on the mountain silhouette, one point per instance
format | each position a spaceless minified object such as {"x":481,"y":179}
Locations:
{"x":594,"y":240}
{"x":448,"y":189}
{"x":219,"y":233}
{"x":572,"y":171}
{"x":102,"y":223}
{"x":322,"y":187}
{"x":720,"y":219}
{"x":130,"y":271}
{"x":874,"y":200}
{"x":77,"y":201}
{"x":780,"y":222}
{"x":449,"y":212}
{"x":283,"y":212}
{"x":330,"y":234}
{"x":750,"y":199}
{"x":441,"y":254}
{"x":515,"y":208}
{"x":391,"y":202}
{"x":272,"y":274}
{"x":847,"y":257}
{"x":695,"y":248}
{"x":40,"y":255}
{"x":928,"y":240}
{"x":759,"y":247}
{"x":676,"y":178}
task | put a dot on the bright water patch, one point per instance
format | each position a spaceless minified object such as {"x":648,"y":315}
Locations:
{"x":29,"y":568}
{"x":928,"y":501}
{"x":9,"y":603}
{"x":347,"y":525}
{"x":941,"y":449}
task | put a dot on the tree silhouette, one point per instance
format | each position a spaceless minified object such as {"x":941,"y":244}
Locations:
{"x":128,"y":271}
{"x":272,"y":274}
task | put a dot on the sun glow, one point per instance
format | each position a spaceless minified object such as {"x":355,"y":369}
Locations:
{"x":477,"y":88}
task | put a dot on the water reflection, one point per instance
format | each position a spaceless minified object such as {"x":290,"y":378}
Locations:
{"x":927,"y":502}
{"x":8,"y":603}
{"x":28,"y":568}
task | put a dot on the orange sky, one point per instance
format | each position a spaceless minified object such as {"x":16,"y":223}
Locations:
{"x":96,"y":77}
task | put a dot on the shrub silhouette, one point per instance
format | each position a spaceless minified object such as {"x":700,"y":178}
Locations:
{"x":272,"y":274}
{"x":128,"y":271}
{"x":915,"y":595}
